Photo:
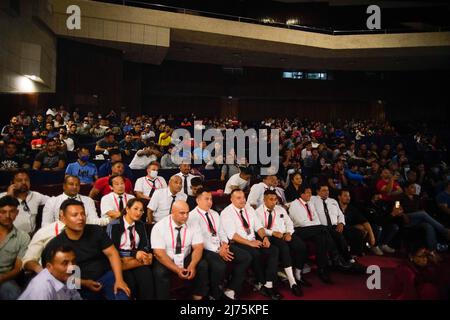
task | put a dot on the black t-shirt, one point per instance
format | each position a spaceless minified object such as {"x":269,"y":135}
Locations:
{"x":12,"y":163}
{"x":88,"y":249}
{"x":50,"y":161}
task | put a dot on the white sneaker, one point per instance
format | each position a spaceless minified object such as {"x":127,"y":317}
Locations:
{"x":377,"y":251}
{"x":306,"y":269}
{"x":387,"y":249}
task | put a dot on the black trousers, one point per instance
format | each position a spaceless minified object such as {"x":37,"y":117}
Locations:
{"x":322,"y":240}
{"x":162,"y":279}
{"x":355,"y":238}
{"x":264,"y":272}
{"x":140,"y":282}
{"x":292,"y":253}
{"x":340,"y":241}
{"x":217,"y":268}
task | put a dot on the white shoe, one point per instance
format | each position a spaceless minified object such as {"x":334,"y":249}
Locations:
{"x":377,"y":251}
{"x":306,"y":269}
{"x":387,"y":249}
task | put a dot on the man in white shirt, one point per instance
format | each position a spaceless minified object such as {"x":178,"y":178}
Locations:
{"x":114,"y":202}
{"x":280,"y":229}
{"x":146,"y":186}
{"x":51,"y":283}
{"x":178,"y":249}
{"x":331,"y":216}
{"x":239,"y":180}
{"x":162,"y":200}
{"x":256,"y":195}
{"x":240,"y":224}
{"x":71,"y":188}
{"x":186,"y":178}
{"x":308,"y":227}
{"x":217,"y":250}
{"x":143,"y":157}
{"x":29,"y":201}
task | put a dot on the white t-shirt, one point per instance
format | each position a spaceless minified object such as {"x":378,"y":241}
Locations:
{"x":235,"y":180}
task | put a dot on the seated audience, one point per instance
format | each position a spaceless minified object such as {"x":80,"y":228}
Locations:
{"x":101,"y":186}
{"x":239,"y":180}
{"x":146,"y":186}
{"x":114,"y":202}
{"x":50,"y":159}
{"x":83,"y":169}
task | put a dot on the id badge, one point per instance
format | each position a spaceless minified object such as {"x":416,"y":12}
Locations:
{"x":178,"y":259}
{"x":215,"y":241}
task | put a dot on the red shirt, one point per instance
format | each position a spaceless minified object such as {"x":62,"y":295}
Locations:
{"x":102,"y":185}
{"x":380,"y":185}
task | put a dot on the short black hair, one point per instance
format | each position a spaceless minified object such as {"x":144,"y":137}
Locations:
{"x":8,"y":201}
{"x":269,"y":192}
{"x":156,"y":163}
{"x":202,"y":190}
{"x":235,"y":190}
{"x":118,"y":162}
{"x":246,"y":170}
{"x":196,"y":181}
{"x":114,"y":152}
{"x":20,"y":171}
{"x":52,"y":253}
{"x":340,"y":192}
{"x":323,"y":184}
{"x":70,"y":202}
{"x":303,"y":188}
{"x":67,"y":177}
{"x":110,"y":180}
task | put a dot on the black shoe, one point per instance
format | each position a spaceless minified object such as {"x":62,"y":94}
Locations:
{"x":270,"y":292}
{"x":340,"y":264}
{"x":303,"y":282}
{"x":324,"y":276}
{"x":297,"y":290}
{"x":358,"y":268}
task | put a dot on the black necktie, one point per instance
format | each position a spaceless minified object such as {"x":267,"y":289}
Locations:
{"x":269,"y":221}
{"x":327,"y":214}
{"x":178,"y":246}
{"x":132,"y":239}
{"x":171,"y":204}
{"x":153,"y":188}
{"x":120,"y":204}
{"x":246,"y":226}
{"x":25,"y":206}
{"x":185,"y":186}
{"x":211,"y":227}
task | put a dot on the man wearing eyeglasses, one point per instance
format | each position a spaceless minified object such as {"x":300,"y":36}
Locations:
{"x":29,"y":201}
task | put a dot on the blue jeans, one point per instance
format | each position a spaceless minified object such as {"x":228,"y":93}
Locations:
{"x":9,"y":290}
{"x":107,"y":292}
{"x":429,"y":225}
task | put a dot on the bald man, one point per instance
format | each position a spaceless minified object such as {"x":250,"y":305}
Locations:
{"x":178,"y":248}
{"x":163,"y":199}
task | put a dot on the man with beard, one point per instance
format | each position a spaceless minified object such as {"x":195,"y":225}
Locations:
{"x":29,"y":201}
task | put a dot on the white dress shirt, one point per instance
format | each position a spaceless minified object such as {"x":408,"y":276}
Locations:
{"x":232,"y":223}
{"x":197,"y":217}
{"x":40,"y":240}
{"x":110,"y":202}
{"x":165,"y":237}
{"x":299,"y":214}
{"x":125,"y":240}
{"x":51,"y":210}
{"x":141,"y":162}
{"x":336,"y":215}
{"x":45,"y":286}
{"x":256,"y":195}
{"x":146,"y":184}
{"x":235,"y":180}
{"x":189,"y":178}
{"x":161,"y":201}
{"x":281,"y":222}
{"x":26,"y":220}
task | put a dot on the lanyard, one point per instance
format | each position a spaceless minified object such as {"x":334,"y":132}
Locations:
{"x":207,"y":224}
{"x":242,"y":222}
{"x":308,"y":212}
{"x":153,"y":186}
{"x":117,"y":204}
{"x":56,"y":229}
{"x":126,"y":237}
{"x":173,"y":238}
{"x":273,"y":220}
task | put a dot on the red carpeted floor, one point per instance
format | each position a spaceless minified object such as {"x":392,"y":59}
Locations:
{"x":345,"y":287}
